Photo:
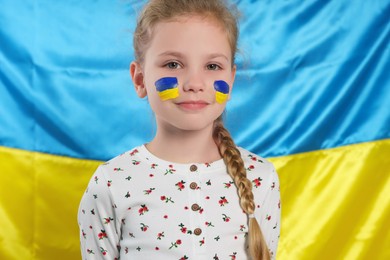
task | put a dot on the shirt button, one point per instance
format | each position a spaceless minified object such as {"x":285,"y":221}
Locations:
{"x":197,"y":231}
{"x":195,"y":207}
{"x":193,"y":185}
{"x":193,"y":168}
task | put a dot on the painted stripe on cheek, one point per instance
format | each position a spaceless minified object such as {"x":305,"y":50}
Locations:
{"x":167,"y":88}
{"x":222,"y":91}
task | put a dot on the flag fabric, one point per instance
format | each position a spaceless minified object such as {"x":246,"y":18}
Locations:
{"x":312,"y":94}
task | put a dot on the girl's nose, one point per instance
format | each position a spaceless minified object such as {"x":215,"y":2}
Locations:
{"x":194,"y":82}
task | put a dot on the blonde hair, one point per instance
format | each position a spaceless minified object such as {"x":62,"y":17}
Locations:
{"x":235,"y":166}
{"x":157,"y":11}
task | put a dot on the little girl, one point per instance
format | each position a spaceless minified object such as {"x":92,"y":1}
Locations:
{"x":190,"y":193}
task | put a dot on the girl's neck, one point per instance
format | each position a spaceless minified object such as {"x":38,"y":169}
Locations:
{"x":182,"y":146}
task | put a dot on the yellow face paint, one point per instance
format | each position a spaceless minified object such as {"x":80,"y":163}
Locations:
{"x":167,"y":88}
{"x":222,"y":91}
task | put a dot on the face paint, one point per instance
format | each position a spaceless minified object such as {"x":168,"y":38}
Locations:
{"x":167,"y":88}
{"x":222,"y":91}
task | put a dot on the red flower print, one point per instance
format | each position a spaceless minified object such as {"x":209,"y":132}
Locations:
{"x":171,"y":170}
{"x":228,"y":184}
{"x":103,"y":251}
{"x":153,"y":166}
{"x":257,"y":182}
{"x":143,"y":209}
{"x":151,"y":175}
{"x":118,"y":169}
{"x":175,"y":244}
{"x":183,"y":258}
{"x":165,"y":216}
{"x":147,"y":192}
{"x":144,"y":227}
{"x":207,"y":164}
{"x":166,"y":199}
{"x":157,"y":248}
{"x":233,"y":256}
{"x":223,"y":201}
{"x":273,"y":185}
{"x":201,"y":242}
{"x":180,"y":185}
{"x":268,"y":217}
{"x":109,"y":183}
{"x":225,"y":218}
{"x":184,"y":229}
{"x":207,"y":198}
{"x":135,"y":162}
{"x":107,"y":220}
{"x":242,"y":227}
{"x":186,"y":208}
{"x":90,"y":251}
{"x":254,"y":158}
{"x":209,"y":224}
{"x":132,"y":153}
{"x":102,"y":234}
{"x":160,"y":235}
{"x":251,"y":167}
{"x":96,"y":179}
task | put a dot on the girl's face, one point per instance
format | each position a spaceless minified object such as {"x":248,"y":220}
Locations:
{"x":196,"y":51}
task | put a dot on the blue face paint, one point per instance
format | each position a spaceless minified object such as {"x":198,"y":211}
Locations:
{"x":167,"y":88}
{"x":222,"y":91}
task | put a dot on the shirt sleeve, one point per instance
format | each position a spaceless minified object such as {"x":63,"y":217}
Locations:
{"x":99,"y":228}
{"x":270,"y":212}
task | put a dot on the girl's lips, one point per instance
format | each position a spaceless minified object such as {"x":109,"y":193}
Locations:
{"x":192,"y":105}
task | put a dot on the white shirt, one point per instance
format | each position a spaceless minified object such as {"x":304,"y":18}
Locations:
{"x":138,"y":206}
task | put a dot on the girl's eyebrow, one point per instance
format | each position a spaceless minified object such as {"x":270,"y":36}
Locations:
{"x":218,"y":55}
{"x":180,"y":55}
{"x":171,"y":53}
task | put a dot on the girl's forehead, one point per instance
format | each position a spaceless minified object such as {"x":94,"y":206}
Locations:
{"x":194,"y":28}
{"x":186,"y":18}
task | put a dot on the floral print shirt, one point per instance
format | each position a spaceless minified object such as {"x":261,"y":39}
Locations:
{"x":138,"y":206}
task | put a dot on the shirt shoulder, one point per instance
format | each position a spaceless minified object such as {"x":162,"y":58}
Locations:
{"x":251,"y":158}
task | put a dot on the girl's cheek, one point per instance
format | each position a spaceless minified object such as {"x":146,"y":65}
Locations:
{"x":167,"y":88}
{"x":221,"y":91}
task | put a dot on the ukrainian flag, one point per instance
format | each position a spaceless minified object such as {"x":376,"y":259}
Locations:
{"x":167,"y":88}
{"x":221,"y":91}
{"x":312,"y":94}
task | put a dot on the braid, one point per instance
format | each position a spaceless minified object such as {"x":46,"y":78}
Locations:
{"x":236,"y":169}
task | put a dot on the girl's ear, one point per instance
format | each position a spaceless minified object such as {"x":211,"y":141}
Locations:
{"x":137,"y":75}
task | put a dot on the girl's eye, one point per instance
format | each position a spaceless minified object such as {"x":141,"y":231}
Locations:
{"x":213,"y":67}
{"x":173,"y":65}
